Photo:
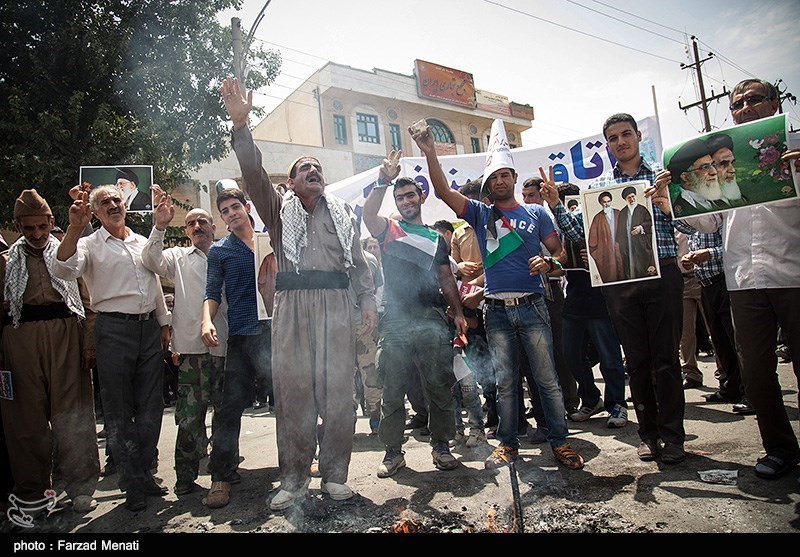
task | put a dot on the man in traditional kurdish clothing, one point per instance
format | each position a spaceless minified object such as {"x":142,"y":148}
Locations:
{"x":43,"y":335}
{"x":319,"y":255}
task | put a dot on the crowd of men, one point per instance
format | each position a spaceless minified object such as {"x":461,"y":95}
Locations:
{"x":492,"y":289}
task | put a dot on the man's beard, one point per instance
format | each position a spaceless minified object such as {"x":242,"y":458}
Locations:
{"x":712,"y":192}
{"x":608,"y":210}
{"x":731,"y":191}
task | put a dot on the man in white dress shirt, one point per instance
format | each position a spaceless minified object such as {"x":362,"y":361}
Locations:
{"x":131,"y":332}
{"x":201,"y":367}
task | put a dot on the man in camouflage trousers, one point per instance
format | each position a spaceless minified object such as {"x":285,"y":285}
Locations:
{"x":201,"y":368}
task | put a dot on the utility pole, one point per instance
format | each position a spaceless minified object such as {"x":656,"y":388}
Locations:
{"x":241,"y":46}
{"x":704,"y":101}
{"x":238,"y":50}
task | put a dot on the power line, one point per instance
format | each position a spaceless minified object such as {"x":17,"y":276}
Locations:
{"x":640,"y":17}
{"x":579,"y":31}
{"x":625,"y":22}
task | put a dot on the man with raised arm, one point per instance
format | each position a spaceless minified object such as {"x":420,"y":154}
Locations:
{"x":201,"y":367}
{"x":318,"y":252}
{"x":131,"y":333}
{"x":414,"y":329}
{"x":515,"y":313}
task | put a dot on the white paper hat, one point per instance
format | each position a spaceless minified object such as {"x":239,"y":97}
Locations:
{"x":498,"y":155}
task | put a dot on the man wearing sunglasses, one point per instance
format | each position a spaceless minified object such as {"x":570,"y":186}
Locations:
{"x":762,"y":272}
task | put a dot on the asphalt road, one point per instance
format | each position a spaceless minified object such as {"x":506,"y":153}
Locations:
{"x":615,"y":492}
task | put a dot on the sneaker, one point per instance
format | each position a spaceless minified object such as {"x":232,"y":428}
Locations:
{"x":743,"y":408}
{"x":83,"y":504}
{"x":338,"y":492}
{"x":392,"y":462}
{"x":770,"y":467}
{"x":501,"y":456}
{"x":285,"y":498}
{"x":185,"y":487}
{"x":459,"y":438}
{"x":673,"y":453}
{"x":617,"y":417}
{"x":587,"y":412}
{"x":442,"y":458}
{"x":416,"y":422}
{"x":476,"y":437}
{"x":567,"y":456}
{"x":219,"y":495}
{"x":538,"y":435}
{"x":648,"y":450}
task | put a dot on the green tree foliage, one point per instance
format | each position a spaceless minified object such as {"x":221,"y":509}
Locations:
{"x":111,"y":82}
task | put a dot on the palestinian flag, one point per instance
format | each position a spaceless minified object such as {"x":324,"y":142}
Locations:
{"x":411,"y":242}
{"x":501,"y":238}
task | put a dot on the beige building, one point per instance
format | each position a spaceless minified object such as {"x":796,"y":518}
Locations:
{"x":350,"y":119}
{"x":365,"y":114}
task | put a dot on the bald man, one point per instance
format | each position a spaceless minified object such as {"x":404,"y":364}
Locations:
{"x":200,"y":375}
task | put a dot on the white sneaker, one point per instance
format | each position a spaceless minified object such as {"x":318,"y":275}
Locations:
{"x":285,"y":498}
{"x":617,"y":417}
{"x":586,"y":412}
{"x":476,"y":437}
{"x":338,"y":492}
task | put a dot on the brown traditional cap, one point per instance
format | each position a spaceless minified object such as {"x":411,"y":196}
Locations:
{"x":31,"y":204}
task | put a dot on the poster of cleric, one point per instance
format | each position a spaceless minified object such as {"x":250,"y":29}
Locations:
{"x":133,"y":181}
{"x":730,"y":168}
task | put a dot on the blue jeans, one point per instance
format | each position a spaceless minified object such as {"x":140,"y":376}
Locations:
{"x":601,"y":332}
{"x":526,"y":327}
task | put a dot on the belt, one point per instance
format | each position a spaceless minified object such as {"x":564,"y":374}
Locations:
{"x":311,"y":280}
{"x":46,"y":312}
{"x":513,"y":302}
{"x":705,"y":283}
{"x":130,"y":316}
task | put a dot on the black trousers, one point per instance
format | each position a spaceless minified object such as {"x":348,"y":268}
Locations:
{"x":756,"y":317}
{"x":247,"y":357}
{"x":717,"y":308}
{"x":130,"y":367}
{"x":648,"y":317}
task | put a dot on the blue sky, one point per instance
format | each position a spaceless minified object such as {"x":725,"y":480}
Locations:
{"x":539,"y":52}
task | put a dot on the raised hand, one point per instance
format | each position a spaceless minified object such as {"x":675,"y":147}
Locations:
{"x":236,"y":104}
{"x":75,"y":191}
{"x":423,"y":138}
{"x":659,"y":187}
{"x":163,"y":210}
{"x":390,"y":168}
{"x":80,"y":212}
{"x":549,"y":191}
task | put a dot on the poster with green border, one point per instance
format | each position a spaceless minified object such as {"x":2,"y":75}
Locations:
{"x":731,"y":168}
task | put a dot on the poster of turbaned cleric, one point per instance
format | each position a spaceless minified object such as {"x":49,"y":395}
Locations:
{"x":573,"y":249}
{"x":731,"y":168}
{"x":619,"y":234}
{"x":133,"y":181}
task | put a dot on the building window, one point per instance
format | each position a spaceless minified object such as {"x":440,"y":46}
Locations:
{"x":440,"y":131}
{"x":476,"y":144}
{"x":367,"y":128}
{"x":395,"y":136}
{"x":339,"y":129}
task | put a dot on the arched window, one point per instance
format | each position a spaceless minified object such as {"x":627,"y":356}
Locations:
{"x":440,"y":131}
